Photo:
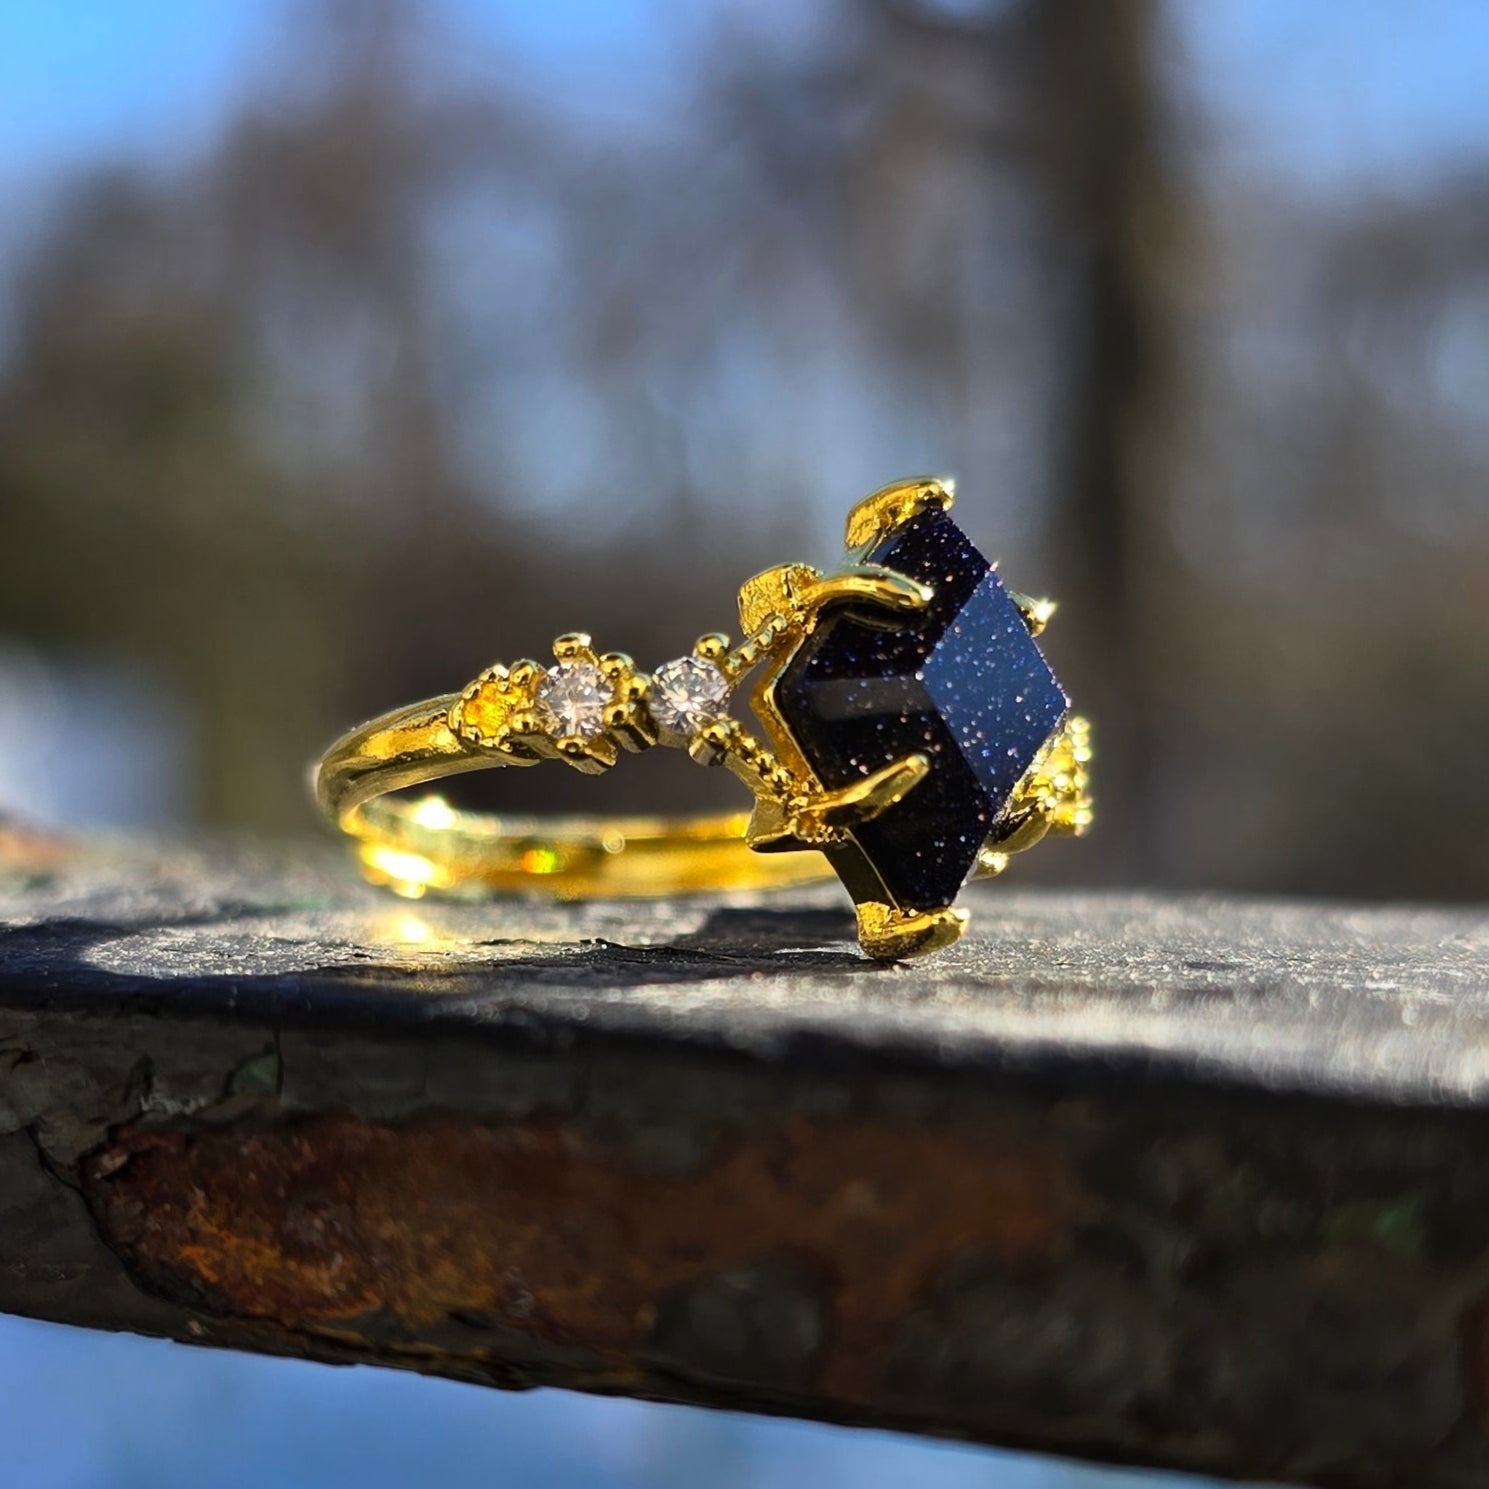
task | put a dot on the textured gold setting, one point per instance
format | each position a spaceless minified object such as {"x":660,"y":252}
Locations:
{"x":588,"y":707}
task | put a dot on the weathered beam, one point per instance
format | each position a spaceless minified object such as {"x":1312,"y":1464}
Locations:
{"x":1179,"y":1181}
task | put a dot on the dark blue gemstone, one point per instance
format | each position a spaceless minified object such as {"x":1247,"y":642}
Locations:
{"x":961,"y":681}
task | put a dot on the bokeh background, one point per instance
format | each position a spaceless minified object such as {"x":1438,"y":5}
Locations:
{"x":348,"y":345}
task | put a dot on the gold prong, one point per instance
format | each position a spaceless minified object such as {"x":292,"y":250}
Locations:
{"x":633,"y":727}
{"x":1036,"y":613}
{"x":526,"y":721}
{"x":869,"y":797}
{"x":712,"y":647}
{"x":615,"y":664}
{"x":990,"y":862}
{"x":590,"y":756}
{"x":633,"y":687}
{"x":526,"y":672}
{"x":868,"y":584}
{"x":772,"y":825}
{"x":570,"y":645}
{"x":892,"y":505}
{"x":517,"y":754}
{"x":712,"y":743}
{"x":889,"y":934}
{"x":1025,"y":829}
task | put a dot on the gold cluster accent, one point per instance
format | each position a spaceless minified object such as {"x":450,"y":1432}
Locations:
{"x":1054,"y":796}
{"x":486,"y":713}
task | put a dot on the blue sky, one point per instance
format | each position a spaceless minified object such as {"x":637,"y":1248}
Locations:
{"x":1368,"y":94}
{"x":79,"y":80}
{"x":87,"y":79}
{"x":98,"y":1411}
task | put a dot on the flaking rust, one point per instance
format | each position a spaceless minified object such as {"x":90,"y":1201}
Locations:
{"x":549,"y":1229}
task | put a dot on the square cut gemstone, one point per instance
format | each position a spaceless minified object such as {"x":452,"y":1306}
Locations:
{"x":960,"y":681}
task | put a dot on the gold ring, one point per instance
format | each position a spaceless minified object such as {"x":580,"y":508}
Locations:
{"x":914,"y":737}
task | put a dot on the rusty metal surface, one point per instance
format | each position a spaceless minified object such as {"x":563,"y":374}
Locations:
{"x":1190,"y":1183}
{"x":551,"y":1230}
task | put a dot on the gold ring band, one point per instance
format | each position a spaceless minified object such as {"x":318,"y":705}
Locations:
{"x":915,"y":738}
{"x":415,"y":846}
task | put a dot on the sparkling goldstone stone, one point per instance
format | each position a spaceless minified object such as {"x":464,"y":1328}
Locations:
{"x":961,"y":682}
{"x":687,"y":694}
{"x":572,"y":699}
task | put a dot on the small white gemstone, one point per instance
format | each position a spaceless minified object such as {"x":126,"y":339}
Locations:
{"x":572,"y":699}
{"x":687,"y":694}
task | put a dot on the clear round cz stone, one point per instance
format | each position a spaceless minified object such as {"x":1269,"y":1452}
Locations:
{"x":572,"y":699}
{"x":687,"y":694}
